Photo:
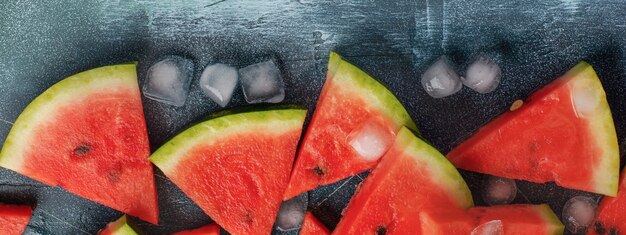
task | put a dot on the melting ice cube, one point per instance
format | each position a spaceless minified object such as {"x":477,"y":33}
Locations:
{"x":578,"y":213}
{"x":371,"y":139}
{"x":499,"y":191}
{"x":440,"y":79}
{"x":218,"y":81}
{"x":585,"y":98}
{"x":168,"y":80}
{"x":482,"y":74}
{"x":494,"y":227}
{"x":262,"y":83}
{"x":291,"y":212}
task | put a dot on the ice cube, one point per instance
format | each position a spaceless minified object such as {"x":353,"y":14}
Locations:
{"x":371,"y":139}
{"x":218,"y":81}
{"x":494,"y":227}
{"x":585,"y":99}
{"x":482,"y":74}
{"x":499,"y":191}
{"x":578,"y":213}
{"x":291,"y":213}
{"x":440,"y":79}
{"x":168,"y":80}
{"x":262,"y":83}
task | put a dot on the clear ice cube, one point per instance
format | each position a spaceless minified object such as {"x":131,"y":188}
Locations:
{"x":168,"y":80}
{"x":218,"y":81}
{"x":371,"y":139}
{"x":262,"y":83}
{"x":482,"y":74}
{"x":578,"y":213}
{"x":494,"y":227}
{"x":440,"y":79}
{"x":499,"y":191}
{"x":291,"y":213}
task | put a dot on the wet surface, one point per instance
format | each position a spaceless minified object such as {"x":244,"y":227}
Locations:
{"x":43,"y":42}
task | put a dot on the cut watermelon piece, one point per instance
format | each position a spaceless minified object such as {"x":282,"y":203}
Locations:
{"x":236,"y":167}
{"x":564,"y":132}
{"x":349,"y":99}
{"x":119,"y":227}
{"x":412,"y":177}
{"x":504,"y":219}
{"x":520,"y":219}
{"x":87,"y":134}
{"x":13,"y":219}
{"x":211,"y":229}
{"x":444,"y":222}
{"x":611,"y":214}
{"x":312,"y":226}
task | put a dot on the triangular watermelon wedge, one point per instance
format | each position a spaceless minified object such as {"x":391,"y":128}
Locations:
{"x":611,"y":214}
{"x":119,"y":227}
{"x":411,"y":178}
{"x":508,"y":220}
{"x":236,"y":167}
{"x":87,"y":134}
{"x":13,"y":219}
{"x":564,"y":132}
{"x":350,"y":98}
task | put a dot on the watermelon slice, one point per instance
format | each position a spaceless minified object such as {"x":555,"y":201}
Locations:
{"x":520,"y":219}
{"x":211,"y":229}
{"x":312,"y":226}
{"x":412,"y":177}
{"x":564,"y":133}
{"x":611,"y":215}
{"x":504,"y":219}
{"x":119,"y":227}
{"x":13,"y":219}
{"x":444,"y":222}
{"x":350,"y":98}
{"x":236,"y":167}
{"x":87,"y":134}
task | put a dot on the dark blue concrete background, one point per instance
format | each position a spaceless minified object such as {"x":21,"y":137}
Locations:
{"x":42,"y":42}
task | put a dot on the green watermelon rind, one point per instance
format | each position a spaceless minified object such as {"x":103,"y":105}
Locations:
{"x":554,"y":225}
{"x":277,"y":120}
{"x":438,"y":165}
{"x":121,"y":227}
{"x":70,"y":89}
{"x":357,"y":81}
{"x":606,"y":172}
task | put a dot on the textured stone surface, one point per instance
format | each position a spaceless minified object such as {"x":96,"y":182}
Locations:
{"x":45,"y":41}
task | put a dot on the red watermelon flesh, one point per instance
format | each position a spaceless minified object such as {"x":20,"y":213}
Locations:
{"x":235,"y":167}
{"x":349,"y":98}
{"x":211,"y":229}
{"x":87,"y":134}
{"x":444,"y":222}
{"x":520,"y":218}
{"x":411,"y":178}
{"x":564,"y":132}
{"x":13,"y":219}
{"x":611,"y":214}
{"x":504,"y":219}
{"x":312,"y":226}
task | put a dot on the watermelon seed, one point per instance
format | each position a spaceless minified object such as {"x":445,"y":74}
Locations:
{"x":82,"y":149}
{"x":319,"y":171}
{"x":516,"y":105}
{"x":381,"y":230}
{"x":613,"y":231}
{"x":249,"y":218}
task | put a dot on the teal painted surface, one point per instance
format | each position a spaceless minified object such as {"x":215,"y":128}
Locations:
{"x":42,"y":42}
